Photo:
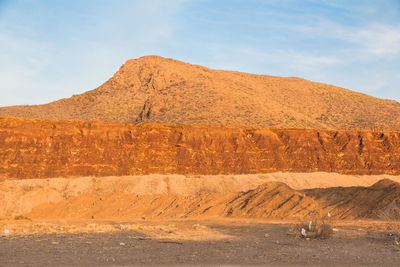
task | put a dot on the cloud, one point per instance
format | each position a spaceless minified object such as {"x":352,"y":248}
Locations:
{"x":308,"y":62}
{"x":379,"y":39}
{"x":278,"y":62}
{"x":375,"y":39}
{"x":45,"y":58}
{"x":22,"y":62}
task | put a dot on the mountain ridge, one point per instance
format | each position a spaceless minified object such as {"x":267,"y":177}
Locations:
{"x":153,"y":89}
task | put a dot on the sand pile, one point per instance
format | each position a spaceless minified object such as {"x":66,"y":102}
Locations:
{"x":270,"y":200}
{"x":20,"y":196}
{"x":276,"y":195}
{"x":380,"y":201}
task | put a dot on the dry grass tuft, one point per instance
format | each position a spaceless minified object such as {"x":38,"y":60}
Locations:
{"x":396,"y":242}
{"x":22,"y":218}
{"x":313,"y":228}
{"x":391,"y":214}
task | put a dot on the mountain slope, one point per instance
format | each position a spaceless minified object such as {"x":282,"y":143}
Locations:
{"x":153,"y":89}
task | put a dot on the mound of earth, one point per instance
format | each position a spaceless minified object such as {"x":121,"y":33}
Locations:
{"x":153,"y":89}
{"x":20,"y":196}
{"x":114,"y":198}
{"x":46,"y":149}
{"x":380,"y":201}
{"x":272,"y":200}
{"x":269,"y":200}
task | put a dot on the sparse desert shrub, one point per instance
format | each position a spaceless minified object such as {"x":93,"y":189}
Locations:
{"x":394,"y":227}
{"x":397,"y":241}
{"x":27,"y":188}
{"x":22,"y":217}
{"x":312,"y":228}
{"x":391,"y":214}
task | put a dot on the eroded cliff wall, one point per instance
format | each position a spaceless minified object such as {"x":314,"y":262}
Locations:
{"x":43,"y":149}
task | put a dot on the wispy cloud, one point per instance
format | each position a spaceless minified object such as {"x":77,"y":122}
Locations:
{"x":308,"y":62}
{"x":22,"y":62}
{"x":377,"y":39}
{"x":39,"y":65}
{"x":274,"y":62}
{"x":46,"y":56}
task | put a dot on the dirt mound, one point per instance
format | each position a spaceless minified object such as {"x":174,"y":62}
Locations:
{"x":375,"y":201}
{"x":272,"y":200}
{"x":158,"y":90}
{"x":20,"y":196}
{"x":40,"y":149}
{"x":118,"y":198}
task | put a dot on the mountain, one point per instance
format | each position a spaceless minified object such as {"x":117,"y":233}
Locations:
{"x":153,"y":89}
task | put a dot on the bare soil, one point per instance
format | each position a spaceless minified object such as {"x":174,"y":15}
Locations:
{"x":242,"y":243}
{"x":18,"y":197}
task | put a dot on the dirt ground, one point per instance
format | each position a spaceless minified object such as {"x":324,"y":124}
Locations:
{"x":213,"y":242}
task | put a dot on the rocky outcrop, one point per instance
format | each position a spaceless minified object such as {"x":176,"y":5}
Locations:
{"x":39,"y":149}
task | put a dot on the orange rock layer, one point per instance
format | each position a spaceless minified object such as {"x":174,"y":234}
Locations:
{"x":42,"y":149}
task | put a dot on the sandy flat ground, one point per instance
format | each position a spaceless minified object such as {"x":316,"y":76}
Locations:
{"x":212,"y":242}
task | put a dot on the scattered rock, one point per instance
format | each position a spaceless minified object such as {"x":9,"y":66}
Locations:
{"x":6,"y":232}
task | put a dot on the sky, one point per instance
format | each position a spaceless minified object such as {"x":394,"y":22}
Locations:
{"x":52,"y":49}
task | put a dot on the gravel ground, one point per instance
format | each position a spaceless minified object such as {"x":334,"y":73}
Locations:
{"x":349,"y":247}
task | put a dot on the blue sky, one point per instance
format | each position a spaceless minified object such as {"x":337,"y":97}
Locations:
{"x":56,"y":48}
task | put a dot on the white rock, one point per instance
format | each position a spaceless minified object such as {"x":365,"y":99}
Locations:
{"x":303,"y":232}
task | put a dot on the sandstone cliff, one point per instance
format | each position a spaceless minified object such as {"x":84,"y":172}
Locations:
{"x":39,"y":149}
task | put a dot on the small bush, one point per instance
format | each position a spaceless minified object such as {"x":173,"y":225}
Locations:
{"x":397,"y":241}
{"x":21,"y":217}
{"x":312,"y":229}
{"x":391,"y":214}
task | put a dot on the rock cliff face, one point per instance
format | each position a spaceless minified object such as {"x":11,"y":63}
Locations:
{"x":153,"y":89}
{"x":39,"y":149}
